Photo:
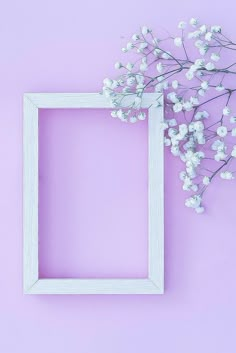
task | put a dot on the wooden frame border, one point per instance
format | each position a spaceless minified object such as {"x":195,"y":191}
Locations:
{"x":154,"y":284}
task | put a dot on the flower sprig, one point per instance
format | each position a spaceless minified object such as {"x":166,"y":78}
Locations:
{"x":192,"y":81}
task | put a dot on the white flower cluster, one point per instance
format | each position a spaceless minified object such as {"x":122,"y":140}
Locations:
{"x":193,"y":133}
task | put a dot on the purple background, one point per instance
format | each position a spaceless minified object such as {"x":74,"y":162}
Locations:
{"x":70,"y":46}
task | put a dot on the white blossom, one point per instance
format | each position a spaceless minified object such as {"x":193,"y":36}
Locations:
{"x":218,"y":145}
{"x":139,"y":77}
{"x":145,"y":30}
{"x":175,"y":150}
{"x":193,"y":201}
{"x":220,"y":88}
{"x":203,"y":29}
{"x":172,"y":132}
{"x":172,"y":96}
{"x":129,"y":66}
{"x":233,"y":153}
{"x":193,"y":22}
{"x":183,"y":129}
{"x":114,"y":113}
{"x":210,"y":66}
{"x":204,"y":49}
{"x":204,"y":85}
{"x":198,"y":126}
{"x":175,"y":84}
{"x":177,"y":107}
{"x":130,"y":81}
{"x":189,"y":75}
{"x":227,"y":175}
{"x":172,"y":122}
{"x":201,"y":115}
{"x":143,"y":66}
{"x":141,"y":116}
{"x":198,"y":43}
{"x":167,"y":142}
{"x":166,"y":55}
{"x":216,"y":29}
{"x":107,"y":82}
{"x":206,"y":180}
{"x":188,"y":106}
{"x":199,"y":63}
{"x":200,"y":210}
{"x":137,"y":102}
{"x":133,"y":119}
{"x":208,"y":36}
{"x":226,"y":111}
{"x":182,"y":25}
{"x":178,"y":41}
{"x":222,"y":131}
{"x":233,"y":119}
{"x":135,"y":37}
{"x":201,"y":92}
{"x":129,"y":46}
{"x":233,"y":132}
{"x":220,"y":156}
{"x":159,"y":67}
{"x":118,"y":65}
{"x":143,"y":46}
{"x":215,"y":57}
{"x":194,"y":34}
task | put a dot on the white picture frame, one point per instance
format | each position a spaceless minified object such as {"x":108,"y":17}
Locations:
{"x":154,"y":283}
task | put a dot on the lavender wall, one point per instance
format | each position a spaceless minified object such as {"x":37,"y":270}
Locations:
{"x":70,"y":46}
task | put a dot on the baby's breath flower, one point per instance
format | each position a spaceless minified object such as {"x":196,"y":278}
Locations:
{"x":216,"y":29}
{"x":114,"y":113}
{"x":206,"y":180}
{"x":233,"y":132}
{"x":133,"y":119}
{"x":182,"y":25}
{"x":135,"y":37}
{"x":142,"y":116}
{"x":233,"y":119}
{"x":129,"y":66}
{"x":227,"y":175}
{"x":166,"y":55}
{"x":178,"y":42}
{"x":203,"y":29}
{"x":145,"y":30}
{"x":220,"y":88}
{"x":200,"y":210}
{"x":189,"y":75}
{"x":159,"y":67}
{"x":210,"y":66}
{"x":172,"y":96}
{"x":118,"y":65}
{"x":233,"y":153}
{"x":175,"y":84}
{"x":208,"y":36}
{"x":178,"y":107}
{"x":201,"y":115}
{"x":226,"y":111}
{"x":143,"y":66}
{"x":194,"y":201}
{"x":143,"y":46}
{"x":222,"y":131}
{"x":204,"y":85}
{"x":193,"y":22}
{"x":167,"y":142}
{"x":172,"y":122}
{"x":215,"y":57}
